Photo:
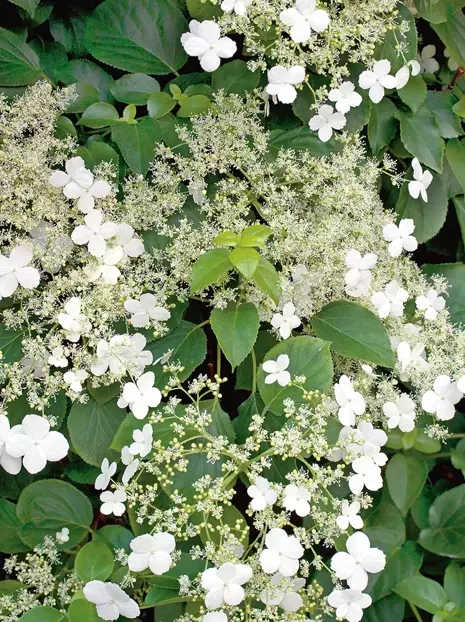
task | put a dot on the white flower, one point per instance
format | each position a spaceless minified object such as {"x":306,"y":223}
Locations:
{"x":403,"y":75}
{"x":143,"y":440}
{"x":359,"y":560}
{"x":326,"y":121}
{"x":57,"y":358}
{"x":113,"y":502}
{"x":110,"y":600}
{"x":14,"y":271}
{"x":286,"y":597}
{"x":215,"y":616}
{"x":73,"y":321}
{"x":205,"y":41}
{"x":112,"y":355}
{"x":408,"y":356}
{"x":421,"y":183}
{"x":286,"y":320}
{"x":377,"y":80}
{"x":400,"y":237}
{"x":349,"y":516}
{"x":62,"y":536}
{"x":224,"y":584}
{"x":132,"y":247}
{"x":453,"y":66}
{"x":75,"y":379}
{"x":11,"y":464}
{"x":366,"y":474}
{"x":358,"y":277}
{"x":296,"y":499}
{"x":99,"y":190}
{"x":281,"y":81}
{"x":371,"y":438}
{"x":152,"y":551}
{"x":351,"y":403}
{"x":138,"y":358}
{"x":401,"y":413}
{"x":164,"y":358}
{"x":261,"y":493}
{"x":140,"y":396}
{"x":282,"y":553}
{"x":427,"y":61}
{"x":35,"y":444}
{"x":239,"y":6}
{"x":345,"y":96}
{"x":94,"y":233}
{"x":144,"y":310}
{"x":108,"y":470}
{"x":442,"y":399}
{"x":276,"y":370}
{"x":304,"y":18}
{"x":106,"y":266}
{"x":75,"y":181}
{"x":349,"y":604}
{"x":131,"y":463}
{"x":431,"y":304}
{"x":391,"y":301}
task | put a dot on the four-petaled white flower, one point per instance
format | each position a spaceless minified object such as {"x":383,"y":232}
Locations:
{"x":442,"y":399}
{"x":349,"y":515}
{"x":75,"y":181}
{"x":131,"y":463}
{"x":351,"y":402}
{"x":152,"y":551}
{"x":359,"y":560}
{"x":57,"y":357}
{"x":358,"y":277}
{"x":261,"y":493}
{"x":282,"y":553}
{"x":144,"y":310}
{"x":400,"y":237}
{"x":110,"y":600}
{"x":112,"y":355}
{"x":345,"y":96}
{"x":304,"y":18}
{"x":421,"y":181}
{"x":276,"y":370}
{"x":73,"y":321}
{"x":326,"y":121}
{"x":377,"y":79}
{"x":426,"y":60}
{"x":281,"y":82}
{"x":14,"y":271}
{"x":284,"y":596}
{"x":106,"y":268}
{"x":238,"y":6}
{"x":403,"y":75}
{"x":224,"y":584}
{"x":75,"y":378}
{"x":205,"y":41}
{"x":349,"y":604}
{"x":11,"y":464}
{"x":108,"y":470}
{"x":143,"y":440}
{"x":140,"y":396}
{"x":215,"y":616}
{"x":138,"y":358}
{"x":431,"y":304}
{"x":132,"y":247}
{"x":99,"y":190}
{"x":35,"y":444}
{"x":285,"y":321}
{"x":113,"y":502}
{"x":408,"y":356}
{"x":391,"y":301}
{"x":401,"y":413}
{"x":371,"y":438}
{"x":62,"y":536}
{"x":366,"y":474}
{"x":94,"y":233}
{"x":296,"y":499}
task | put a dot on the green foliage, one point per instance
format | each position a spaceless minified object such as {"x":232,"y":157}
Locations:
{"x":455,"y":274}
{"x":94,"y":562}
{"x":405,"y":475}
{"x":43,"y":614}
{"x":19,"y":64}
{"x":137,"y":142}
{"x":421,"y":137}
{"x":135,"y":88}
{"x":445,"y":534}
{"x":236,"y":328}
{"x":235,"y":77}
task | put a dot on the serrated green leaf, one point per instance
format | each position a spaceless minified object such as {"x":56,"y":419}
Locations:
{"x":446,"y":532}
{"x":99,"y":115}
{"x":414,"y":92}
{"x":382,"y":125}
{"x":421,"y":137}
{"x":235,"y":77}
{"x":94,"y":562}
{"x":137,"y":142}
{"x":28,"y":5}
{"x":236,"y":328}
{"x":441,"y":103}
{"x":438,"y":11}
{"x":160,"y":104}
{"x":193,"y":106}
{"x":134,"y":88}
{"x":452,"y":34}
{"x":455,"y":154}
{"x":405,"y":475}
{"x":422,"y":592}
{"x":245,"y":260}
{"x":210,"y":268}
{"x":19,"y":64}
{"x":267,"y":279}
{"x":10,"y":542}
{"x":255,"y":235}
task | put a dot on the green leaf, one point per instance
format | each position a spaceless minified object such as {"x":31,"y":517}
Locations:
{"x":10,"y":344}
{"x":414,"y":92}
{"x":245,"y":260}
{"x":134,"y":88}
{"x":94,"y":561}
{"x":267,"y":279}
{"x":440,"y":103}
{"x":160,"y":104}
{"x":255,"y":235}
{"x":69,"y":32}
{"x":96,"y":152}
{"x":265,"y":341}
{"x":421,"y":137}
{"x":428,"y":217}
{"x":382,"y":125}
{"x":458,"y":455}
{"x":354,"y":331}
{"x":235,"y":77}
{"x":459,"y":108}
{"x":47,"y":506}
{"x":228,"y":238}
{"x":28,"y":5}
{"x":253,"y":405}
{"x":99,"y":115}
{"x":81,"y":609}
{"x":19,"y":64}
{"x":446,"y":532}
{"x":210,"y":268}
{"x":455,"y":274}
{"x":438,"y":11}
{"x":454,"y":580}
{"x":81,"y":473}
{"x":405,"y":475}
{"x":85,"y":96}
{"x":423,"y":592}
{"x":455,"y":154}
{"x":192,"y":106}
{"x":203,"y":9}
{"x":400,"y":37}
{"x":459,"y":204}
{"x":308,"y":357}
{"x":452,"y":34}
{"x":138,"y":35}
{"x":403,"y":563}
{"x":43,"y":614}
{"x":301,"y":139}
{"x":10,"y":542}
{"x":92,"y":427}
{"x":87,"y":72}
{"x":385,"y":526}
{"x":390,"y":609}
{"x":137,"y":143}
{"x":236,"y":328}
